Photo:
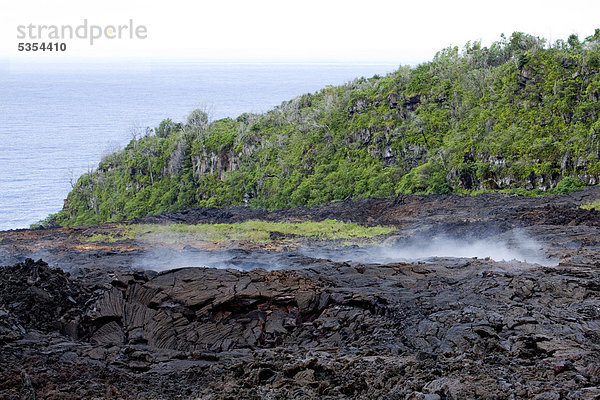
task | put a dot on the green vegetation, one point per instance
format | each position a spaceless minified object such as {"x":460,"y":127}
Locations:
{"x":112,"y":237}
{"x":519,"y":116}
{"x":99,"y":237}
{"x":593,"y":205}
{"x":568,"y":185}
{"x":251,"y":231}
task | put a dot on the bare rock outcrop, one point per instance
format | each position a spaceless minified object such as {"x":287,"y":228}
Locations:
{"x":203,"y":309}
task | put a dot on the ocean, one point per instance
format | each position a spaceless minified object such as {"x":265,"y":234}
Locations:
{"x":57,"y":122}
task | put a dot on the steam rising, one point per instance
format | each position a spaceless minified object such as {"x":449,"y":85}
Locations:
{"x":510,"y":246}
{"x":520,"y":248}
{"x":162,"y":259}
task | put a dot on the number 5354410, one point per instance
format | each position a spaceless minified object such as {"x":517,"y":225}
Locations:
{"x":49,"y":46}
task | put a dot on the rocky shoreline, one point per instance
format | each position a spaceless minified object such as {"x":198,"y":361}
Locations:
{"x":313,"y":322}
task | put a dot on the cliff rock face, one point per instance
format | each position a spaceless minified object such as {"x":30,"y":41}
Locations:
{"x":219,"y":163}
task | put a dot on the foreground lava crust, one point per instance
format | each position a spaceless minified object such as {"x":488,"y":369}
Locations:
{"x":107,"y":325}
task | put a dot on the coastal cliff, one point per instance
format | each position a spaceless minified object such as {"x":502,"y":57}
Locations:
{"x":520,"y":115}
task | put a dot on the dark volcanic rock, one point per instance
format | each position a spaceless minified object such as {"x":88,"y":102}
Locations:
{"x":470,"y":329}
{"x":448,"y":328}
{"x":204,"y":309}
{"x":41,"y":297}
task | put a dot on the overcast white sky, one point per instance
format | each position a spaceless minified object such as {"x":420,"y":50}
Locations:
{"x":400,"y":32}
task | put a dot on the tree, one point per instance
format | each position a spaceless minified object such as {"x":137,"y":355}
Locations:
{"x":574,"y":42}
{"x":166,"y":127}
{"x":595,"y":37}
{"x":197,"y":122}
{"x":136,"y":132}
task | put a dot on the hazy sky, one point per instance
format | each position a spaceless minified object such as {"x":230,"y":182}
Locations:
{"x":402,"y":32}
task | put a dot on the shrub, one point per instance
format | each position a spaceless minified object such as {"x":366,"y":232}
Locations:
{"x":568,"y":185}
{"x":425,"y":179}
